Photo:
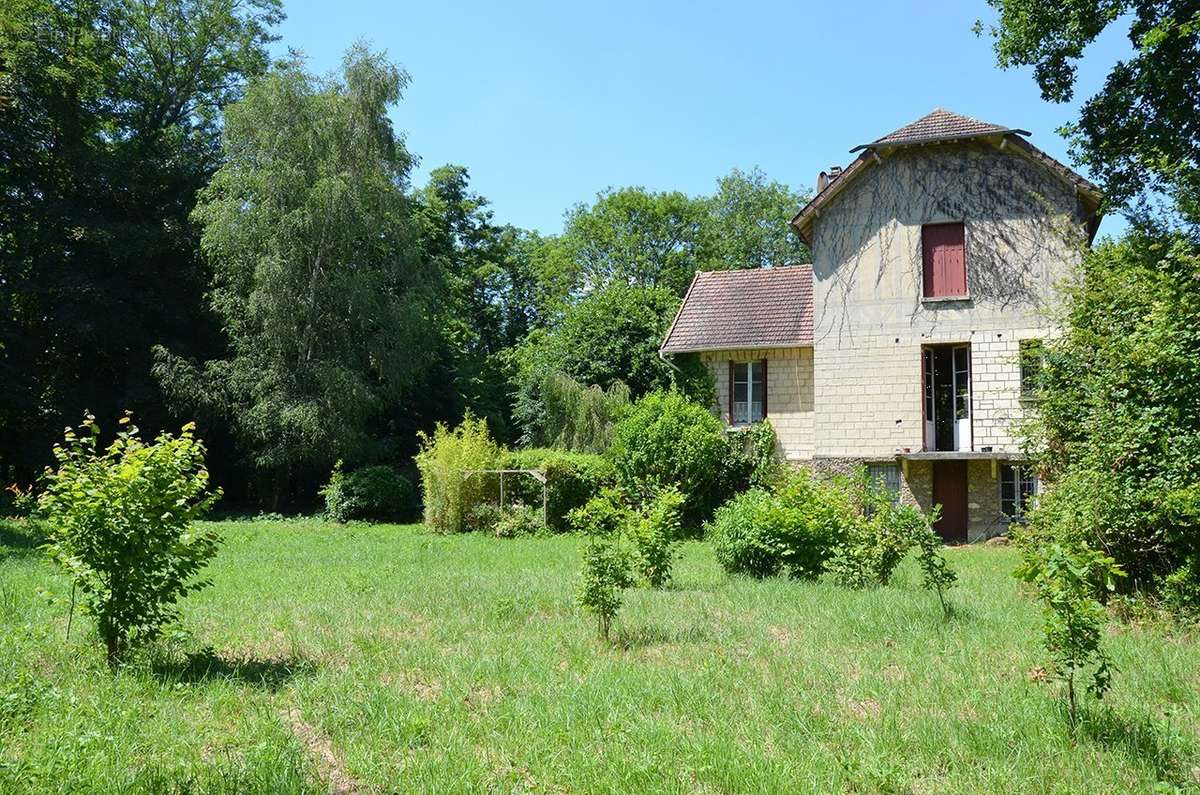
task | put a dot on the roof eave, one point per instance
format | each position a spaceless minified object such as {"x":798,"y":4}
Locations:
{"x":939,"y":139}
{"x":739,"y":347}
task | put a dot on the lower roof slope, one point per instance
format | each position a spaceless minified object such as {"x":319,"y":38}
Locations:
{"x":736,"y":310}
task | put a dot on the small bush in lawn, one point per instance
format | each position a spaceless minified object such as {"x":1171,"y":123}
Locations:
{"x":744,"y":540}
{"x":444,"y":459}
{"x":1068,"y":581}
{"x":374,"y":492}
{"x":606,"y":572}
{"x":794,"y":530}
{"x":571,"y":480}
{"x":653,"y":533}
{"x":120,"y":523}
{"x":604,"y":514}
{"x":667,"y":440}
{"x":518,"y":519}
{"x":936,"y":573}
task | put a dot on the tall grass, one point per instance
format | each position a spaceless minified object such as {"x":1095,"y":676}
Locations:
{"x":460,"y":663}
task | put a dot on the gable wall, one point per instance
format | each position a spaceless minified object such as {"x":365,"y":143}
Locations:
{"x":789,"y":393}
{"x":1024,"y":233}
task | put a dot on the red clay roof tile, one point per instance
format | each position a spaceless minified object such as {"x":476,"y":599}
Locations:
{"x":756,"y":308}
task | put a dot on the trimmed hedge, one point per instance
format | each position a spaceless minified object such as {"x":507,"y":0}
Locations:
{"x":572,"y":478}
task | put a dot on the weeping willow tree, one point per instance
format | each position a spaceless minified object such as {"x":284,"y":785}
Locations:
{"x":580,"y":417}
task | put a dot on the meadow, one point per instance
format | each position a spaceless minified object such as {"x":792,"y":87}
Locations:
{"x":386,"y":658}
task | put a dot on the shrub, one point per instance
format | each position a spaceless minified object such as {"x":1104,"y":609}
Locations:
{"x":606,"y":564}
{"x":794,"y":530}
{"x":937,"y":575}
{"x":604,"y":514}
{"x":444,"y":460}
{"x":744,"y":540}
{"x":373,"y":492}
{"x":1181,"y":590}
{"x":571,"y":480}
{"x":120,"y":523}
{"x":667,"y":440}
{"x":482,"y":518}
{"x":653,"y":533}
{"x":518,"y":519}
{"x":1068,"y":581}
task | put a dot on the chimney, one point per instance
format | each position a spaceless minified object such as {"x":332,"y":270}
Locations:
{"x":826,"y":177}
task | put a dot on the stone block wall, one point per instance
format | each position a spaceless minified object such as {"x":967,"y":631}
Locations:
{"x":789,"y":393}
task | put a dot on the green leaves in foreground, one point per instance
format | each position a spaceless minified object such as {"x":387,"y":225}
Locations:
{"x":1068,"y":581}
{"x":121,"y":525}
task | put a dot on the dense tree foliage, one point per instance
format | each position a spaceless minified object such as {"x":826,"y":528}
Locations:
{"x":319,"y":284}
{"x":191,"y":232}
{"x":1118,"y":434}
{"x":637,"y":237}
{"x":610,"y":336}
{"x":109,"y":115}
{"x":1141,"y":130}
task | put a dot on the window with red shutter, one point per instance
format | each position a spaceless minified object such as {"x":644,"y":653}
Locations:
{"x":944,"y":261}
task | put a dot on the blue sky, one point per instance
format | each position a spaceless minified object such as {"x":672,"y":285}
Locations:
{"x":548,"y":103}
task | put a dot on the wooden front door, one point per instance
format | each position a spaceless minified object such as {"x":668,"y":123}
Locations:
{"x":950,"y":492}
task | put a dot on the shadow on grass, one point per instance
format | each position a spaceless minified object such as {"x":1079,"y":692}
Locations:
{"x":207,"y":665}
{"x":652,"y":635}
{"x":1140,"y":736}
{"x":20,"y":538}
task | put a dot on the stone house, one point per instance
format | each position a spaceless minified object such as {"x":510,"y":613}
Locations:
{"x":909,"y":343}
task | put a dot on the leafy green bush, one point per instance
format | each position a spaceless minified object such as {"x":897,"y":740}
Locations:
{"x":482,"y":518}
{"x":606,"y":571}
{"x":444,"y":461}
{"x":937,"y":574}
{"x":518,"y":519}
{"x":571,"y":480}
{"x":667,"y":440}
{"x":1069,"y":581}
{"x":1117,"y":426}
{"x":743,"y":537}
{"x":374,"y":492}
{"x":604,"y":514}
{"x":120,"y":523}
{"x":1181,"y":590}
{"x":794,"y":530}
{"x":653,"y":533}
{"x":875,"y":540}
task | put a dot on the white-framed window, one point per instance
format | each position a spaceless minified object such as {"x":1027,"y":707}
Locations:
{"x":1018,"y":487}
{"x":749,"y":383}
{"x":885,"y":478}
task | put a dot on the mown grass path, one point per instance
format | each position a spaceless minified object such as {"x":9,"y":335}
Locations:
{"x":386,"y":659}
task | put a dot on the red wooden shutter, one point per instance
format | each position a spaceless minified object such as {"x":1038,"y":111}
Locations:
{"x":765,"y":389}
{"x":944,"y":262}
{"x":730,"y":417}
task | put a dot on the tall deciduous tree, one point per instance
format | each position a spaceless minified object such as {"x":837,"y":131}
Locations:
{"x":324,"y":297}
{"x":109,"y":116}
{"x":1141,"y":131}
{"x":637,"y":237}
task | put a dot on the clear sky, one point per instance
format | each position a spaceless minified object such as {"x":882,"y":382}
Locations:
{"x":548,"y":103}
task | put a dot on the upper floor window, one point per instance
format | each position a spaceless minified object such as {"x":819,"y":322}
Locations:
{"x":1031,"y":355}
{"x":748,"y":388}
{"x":943,"y":261}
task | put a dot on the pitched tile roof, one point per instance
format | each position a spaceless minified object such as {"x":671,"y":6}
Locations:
{"x":940,"y":125}
{"x":937,"y":127}
{"x":732,"y":310}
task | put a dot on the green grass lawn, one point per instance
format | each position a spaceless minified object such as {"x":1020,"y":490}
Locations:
{"x":384,"y":658}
